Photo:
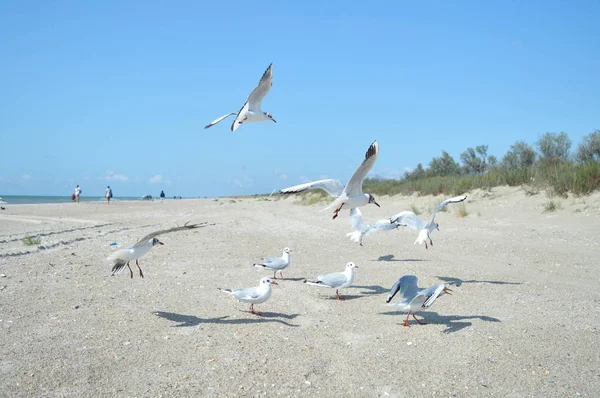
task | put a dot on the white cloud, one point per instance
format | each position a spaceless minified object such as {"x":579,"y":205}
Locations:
{"x":283,"y":176}
{"x":155,"y":179}
{"x":26,"y":177}
{"x":112,"y":176}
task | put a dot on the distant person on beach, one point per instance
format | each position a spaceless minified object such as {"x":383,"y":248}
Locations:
{"x":108,"y":194}
{"x":77,"y":193}
{"x":162,"y":194}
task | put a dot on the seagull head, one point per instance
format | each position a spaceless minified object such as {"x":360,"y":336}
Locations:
{"x":351,"y":265}
{"x":372,"y":200}
{"x":267,"y":281}
{"x":155,"y":242}
{"x":287,"y":250}
{"x":267,"y":114}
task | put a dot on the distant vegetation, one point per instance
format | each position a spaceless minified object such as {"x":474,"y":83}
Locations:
{"x":552,"y":167}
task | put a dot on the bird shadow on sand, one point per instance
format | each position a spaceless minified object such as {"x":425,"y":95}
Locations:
{"x":290,"y":279}
{"x":371,"y":289}
{"x":192,"y":320}
{"x":457,"y":281}
{"x":345,"y":297}
{"x":453,"y":323}
{"x":390,"y":257}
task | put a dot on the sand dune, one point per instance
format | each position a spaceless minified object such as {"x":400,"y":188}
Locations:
{"x":524,"y":319}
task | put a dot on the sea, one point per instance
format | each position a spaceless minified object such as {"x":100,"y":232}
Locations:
{"x":28,"y":200}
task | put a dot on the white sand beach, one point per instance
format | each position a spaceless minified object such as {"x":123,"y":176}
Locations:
{"x":523,"y":321}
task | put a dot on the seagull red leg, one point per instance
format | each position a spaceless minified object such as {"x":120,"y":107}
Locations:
{"x":138,"y":265}
{"x":406,"y":320}
{"x":336,"y":211}
{"x":337,"y":293}
{"x":419,"y":322}
{"x":130,"y":271}
{"x":253,"y":310}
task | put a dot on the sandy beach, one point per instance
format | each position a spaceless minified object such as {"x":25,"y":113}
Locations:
{"x":523,"y":321}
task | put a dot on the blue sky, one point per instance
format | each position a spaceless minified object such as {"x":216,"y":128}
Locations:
{"x":119,"y":92}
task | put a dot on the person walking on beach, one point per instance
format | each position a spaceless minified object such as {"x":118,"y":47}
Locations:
{"x":77,"y":193}
{"x":162,"y":195}
{"x":108,"y":194}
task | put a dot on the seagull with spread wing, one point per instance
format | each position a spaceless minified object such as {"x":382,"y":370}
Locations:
{"x":251,"y":111}
{"x":425,"y":228}
{"x":352,"y":194}
{"x":415,"y":299}
{"x":361,"y":229}
{"x":121,"y":258}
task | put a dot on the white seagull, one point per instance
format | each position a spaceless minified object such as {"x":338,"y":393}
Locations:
{"x":361,"y":229}
{"x":410,"y":219}
{"x":253,"y":295}
{"x":276,"y":263}
{"x":351,"y":195}
{"x":415,"y":299}
{"x":121,"y":258}
{"x":251,"y":111}
{"x":336,"y":280}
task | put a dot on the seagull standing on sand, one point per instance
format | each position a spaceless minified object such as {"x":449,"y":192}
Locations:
{"x":251,"y":111}
{"x":276,"y":263}
{"x":410,"y":219}
{"x":253,"y":295}
{"x":336,"y":280}
{"x":351,"y":195}
{"x":414,"y":298}
{"x":121,"y":258}
{"x":361,"y":229}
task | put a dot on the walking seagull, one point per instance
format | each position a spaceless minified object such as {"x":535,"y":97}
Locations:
{"x":253,"y":295}
{"x":414,"y":298}
{"x":337,"y":280}
{"x":121,"y":258}
{"x":351,"y":195}
{"x":251,"y":111}
{"x":276,"y":263}
{"x":361,"y":229}
{"x":410,"y":219}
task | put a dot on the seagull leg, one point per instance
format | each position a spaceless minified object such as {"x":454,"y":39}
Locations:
{"x":336,"y":211}
{"x":338,"y":295}
{"x":274,"y":274}
{"x":281,"y":273}
{"x":406,"y":320}
{"x":419,"y":322}
{"x":130,"y":271}
{"x":426,"y":245}
{"x":430,"y":242}
{"x":138,"y":265}
{"x":252,"y":310}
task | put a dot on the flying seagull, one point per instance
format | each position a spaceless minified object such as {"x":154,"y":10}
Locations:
{"x":253,"y":295}
{"x":276,"y":263}
{"x":121,"y":258}
{"x":251,"y":111}
{"x":352,"y":194}
{"x":414,"y":299}
{"x":361,"y":229}
{"x":410,"y":219}
{"x":336,"y":280}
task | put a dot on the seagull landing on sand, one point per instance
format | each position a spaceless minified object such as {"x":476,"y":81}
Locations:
{"x":414,"y":298}
{"x":121,"y":258}
{"x":253,"y":295}
{"x":276,"y":263}
{"x":251,"y":111}
{"x":361,"y":229}
{"x":351,"y":195}
{"x":410,"y":219}
{"x":337,"y":280}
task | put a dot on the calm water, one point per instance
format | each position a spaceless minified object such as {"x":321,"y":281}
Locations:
{"x":24,"y":199}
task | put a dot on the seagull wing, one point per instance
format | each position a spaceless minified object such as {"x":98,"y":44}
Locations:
{"x":264,"y":85}
{"x":431,"y":294}
{"x":381,"y":226}
{"x":219,"y":119}
{"x":274,"y":262}
{"x":332,"y":187}
{"x":408,"y":219}
{"x":354,"y":186}
{"x":456,"y":199}
{"x":146,"y":238}
{"x":356,"y":220}
{"x":406,"y":285}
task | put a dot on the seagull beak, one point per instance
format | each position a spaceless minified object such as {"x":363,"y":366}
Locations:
{"x":447,"y":290}
{"x":375,"y":203}
{"x":356,"y":266}
{"x":291,"y":250}
{"x":161,"y":243}
{"x":274,"y":120}
{"x":274,"y":283}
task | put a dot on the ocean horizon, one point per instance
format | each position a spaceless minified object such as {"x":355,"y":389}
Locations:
{"x":50,"y":199}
